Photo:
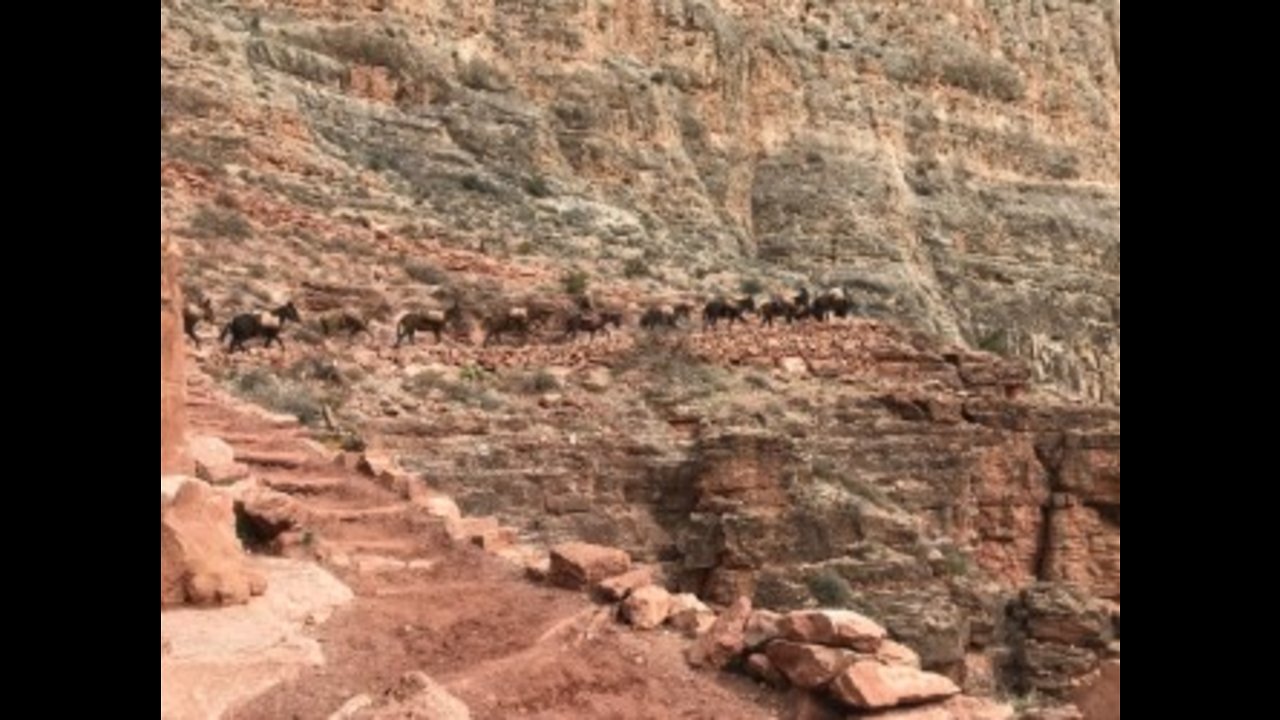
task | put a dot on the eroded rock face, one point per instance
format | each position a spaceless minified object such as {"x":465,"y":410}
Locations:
{"x":201,"y":560}
{"x":173,"y":395}
{"x":1061,"y":636}
{"x":959,"y":168}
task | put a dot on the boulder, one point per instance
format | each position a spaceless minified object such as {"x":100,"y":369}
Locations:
{"x":808,"y":666}
{"x":762,"y":626}
{"x":578,"y":565}
{"x":689,"y":615}
{"x":723,"y":641}
{"x":619,"y":587}
{"x":215,"y":461}
{"x":201,"y":560}
{"x":760,"y":667}
{"x":872,"y":685}
{"x":647,"y":608}
{"x":838,"y":628}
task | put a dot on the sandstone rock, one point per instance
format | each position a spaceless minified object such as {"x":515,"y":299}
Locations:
{"x":693,"y":624}
{"x":688,"y":602}
{"x":724,"y":640}
{"x":871,"y":685}
{"x":1061,"y":614}
{"x":793,"y":366}
{"x":215,"y":461}
{"x":597,"y":379}
{"x":839,"y":628}
{"x":980,"y":676}
{"x":173,"y":386}
{"x":220,"y":657}
{"x":690,"y":616}
{"x":268,"y":514}
{"x":201,"y":561}
{"x":577,"y":565}
{"x":537,"y":569}
{"x":762,"y":626}
{"x":895,"y":653}
{"x":647,"y":607}
{"x":760,"y":667}
{"x":171,"y":484}
{"x":483,"y":532}
{"x":620,"y":586}
{"x":440,"y":506}
{"x":351,"y":708}
{"x":1055,"y":668}
{"x":808,"y":666}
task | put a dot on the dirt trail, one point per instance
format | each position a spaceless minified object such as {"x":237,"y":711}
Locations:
{"x":505,"y":646}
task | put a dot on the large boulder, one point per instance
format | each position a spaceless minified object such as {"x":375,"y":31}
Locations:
{"x":648,"y":607}
{"x":872,"y":685}
{"x":620,"y":586}
{"x":215,"y":460}
{"x":838,"y":628}
{"x":201,"y":560}
{"x":579,"y":565}
{"x":808,"y":666}
{"x":173,"y":394}
{"x":725,"y":640}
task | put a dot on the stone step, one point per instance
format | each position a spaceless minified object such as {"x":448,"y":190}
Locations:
{"x":286,"y":460}
{"x":308,"y":486}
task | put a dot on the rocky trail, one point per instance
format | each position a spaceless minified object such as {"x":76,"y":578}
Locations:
{"x":503,"y":645}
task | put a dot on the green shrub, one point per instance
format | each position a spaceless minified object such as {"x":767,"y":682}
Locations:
{"x":830,"y":589}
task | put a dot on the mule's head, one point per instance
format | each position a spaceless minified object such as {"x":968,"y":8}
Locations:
{"x":288,"y":312}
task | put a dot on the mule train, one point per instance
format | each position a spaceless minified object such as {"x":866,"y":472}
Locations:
{"x":517,"y":321}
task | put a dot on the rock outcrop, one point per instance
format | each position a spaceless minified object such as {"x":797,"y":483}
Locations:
{"x":211,"y":661}
{"x":173,"y":410}
{"x":201,"y":560}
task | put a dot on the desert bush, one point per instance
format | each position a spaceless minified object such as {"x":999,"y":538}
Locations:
{"x":283,"y":395}
{"x":635,"y":268}
{"x":575,"y":282}
{"x":185,"y":100}
{"x":426,"y":273}
{"x":478,"y":184}
{"x":830,"y":589}
{"x":366,"y":47}
{"x":214,"y":222}
{"x":996,"y":341}
{"x":537,"y":186}
{"x":479,"y":74}
{"x":536,"y":382}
